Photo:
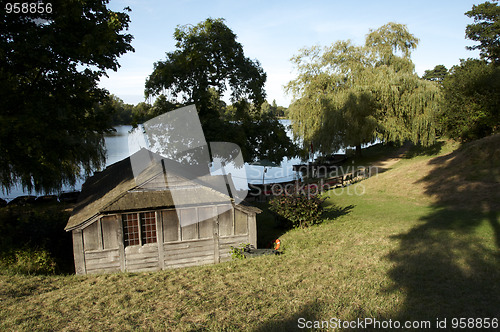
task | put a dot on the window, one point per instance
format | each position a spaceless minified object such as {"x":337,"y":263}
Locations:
{"x":90,"y":237}
{"x":189,"y":224}
{"x":148,"y":227}
{"x":109,"y":226}
{"x":170,"y":226}
{"x":240,"y":223}
{"x":139,"y":228}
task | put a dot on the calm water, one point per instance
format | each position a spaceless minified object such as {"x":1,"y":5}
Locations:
{"x":117,"y":146}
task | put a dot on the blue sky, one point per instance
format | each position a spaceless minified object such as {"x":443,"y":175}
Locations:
{"x":273,"y":31}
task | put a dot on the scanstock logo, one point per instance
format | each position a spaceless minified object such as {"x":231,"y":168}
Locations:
{"x":169,"y":153}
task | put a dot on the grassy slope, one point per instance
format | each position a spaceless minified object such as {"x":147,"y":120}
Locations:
{"x":413,"y":246}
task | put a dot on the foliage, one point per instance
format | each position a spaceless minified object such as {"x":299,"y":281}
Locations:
{"x":29,"y":261}
{"x":471,"y":100}
{"x":299,"y":210}
{"x":33,"y":229}
{"x":485,"y":30}
{"x":121,"y":113}
{"x":346,"y":95}
{"x":238,"y":252}
{"x":209,"y":62}
{"x":436,"y":75}
{"x":208,"y":56}
{"x":50,"y":65}
{"x":273,"y":109}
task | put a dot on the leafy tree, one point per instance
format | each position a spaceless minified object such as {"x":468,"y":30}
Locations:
{"x":120,"y":112}
{"x":273,"y":109}
{"x":208,"y":56}
{"x":141,"y":113}
{"x":485,"y":30}
{"x":436,"y":75}
{"x":472,"y":100}
{"x":50,"y":64}
{"x":209,"y":62}
{"x":347,"y":95}
{"x":471,"y":107}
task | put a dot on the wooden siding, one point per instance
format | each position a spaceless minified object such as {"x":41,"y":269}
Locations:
{"x":78,"y":252}
{"x":188,"y":253}
{"x":90,"y":237}
{"x":102,"y":261}
{"x":225,"y":244}
{"x":207,"y":241}
{"x":110,"y":226}
{"x":142,"y":258}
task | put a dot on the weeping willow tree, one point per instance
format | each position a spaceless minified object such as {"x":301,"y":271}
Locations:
{"x":347,"y":95}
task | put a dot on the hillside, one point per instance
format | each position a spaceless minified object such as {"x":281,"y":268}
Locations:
{"x":418,"y":242}
{"x":466,"y":177}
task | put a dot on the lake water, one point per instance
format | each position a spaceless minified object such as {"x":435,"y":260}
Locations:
{"x":117,"y":147}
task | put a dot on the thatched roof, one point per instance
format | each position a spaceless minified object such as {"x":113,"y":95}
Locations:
{"x":116,"y":189}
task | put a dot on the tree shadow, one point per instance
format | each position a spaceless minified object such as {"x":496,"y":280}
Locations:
{"x":268,"y":227}
{"x":333,"y":211}
{"x":294,"y":321}
{"x":444,"y":271}
{"x":419,"y":150}
{"x":449,"y":266}
{"x":271,"y":226}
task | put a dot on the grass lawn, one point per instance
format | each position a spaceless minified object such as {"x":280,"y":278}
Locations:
{"x":418,"y":242}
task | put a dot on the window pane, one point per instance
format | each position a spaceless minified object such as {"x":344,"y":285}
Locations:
{"x":109,"y":230}
{"x":130,"y":229}
{"x":170,"y":226}
{"x":205,"y":215}
{"x":225,"y":222}
{"x":240,"y":222}
{"x":90,"y":234}
{"x":190,"y":220}
{"x":148,"y":227}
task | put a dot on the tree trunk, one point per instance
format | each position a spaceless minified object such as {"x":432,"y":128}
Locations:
{"x":358,"y":150}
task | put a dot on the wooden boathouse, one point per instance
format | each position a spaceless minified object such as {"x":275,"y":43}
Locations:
{"x":127,"y":223}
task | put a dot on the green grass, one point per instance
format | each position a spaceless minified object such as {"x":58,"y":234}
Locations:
{"x":398,"y":252}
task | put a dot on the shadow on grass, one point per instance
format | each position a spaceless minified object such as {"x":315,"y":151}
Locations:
{"x":268,"y":228}
{"x":290,"y":321}
{"x":419,"y":150}
{"x":449,"y":266}
{"x":333,"y":211}
{"x":446,"y":270}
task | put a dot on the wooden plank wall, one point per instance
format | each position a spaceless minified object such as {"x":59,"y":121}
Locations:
{"x":78,"y":252}
{"x":142,"y":258}
{"x":99,"y":247}
{"x":225,"y":244}
{"x":102,"y":261}
{"x":189,"y":253}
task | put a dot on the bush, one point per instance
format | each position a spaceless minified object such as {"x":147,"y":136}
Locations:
{"x":28,"y":231}
{"x":298,"y":210}
{"x":29,"y":261}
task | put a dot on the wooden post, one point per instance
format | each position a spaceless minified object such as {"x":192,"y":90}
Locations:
{"x":159,"y":239}
{"x":100,"y":244}
{"x":252,"y":228}
{"x":78,"y":252}
{"x":216,"y":238}
{"x":121,"y":243}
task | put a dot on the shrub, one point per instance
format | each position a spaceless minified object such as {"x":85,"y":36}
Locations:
{"x":298,"y":210}
{"x":29,"y":261}
{"x":26,"y":229}
{"x":238,"y":252}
